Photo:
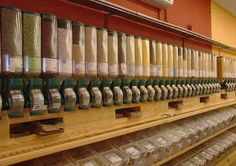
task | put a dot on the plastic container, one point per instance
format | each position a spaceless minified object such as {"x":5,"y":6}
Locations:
{"x":197,"y":64}
{"x":64,"y":47}
{"x":200,"y":64}
{"x":49,"y":45}
{"x":122,"y":55}
{"x":185,"y":64}
{"x":32,"y":43}
{"x":159,"y":59}
{"x":11,"y":46}
{"x":138,"y":58}
{"x":165,"y":66}
{"x":113,"y":67}
{"x":180,"y":62}
{"x":189,"y":63}
{"x":175,"y":62}
{"x":78,"y":49}
{"x":193,"y":63}
{"x":102,"y":52}
{"x":130,"y":52}
{"x":153,"y":59}
{"x":90,"y":51}
{"x":170,"y":61}
{"x":146,"y":58}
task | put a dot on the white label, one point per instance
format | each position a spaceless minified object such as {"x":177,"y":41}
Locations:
{"x":56,"y":105}
{"x":113,"y":69}
{"x":133,"y":151}
{"x":131,"y":70}
{"x":113,"y":158}
{"x":161,"y":141}
{"x":149,"y":146}
{"x":91,"y":66}
{"x":146,"y":70}
{"x":14,"y":65}
{"x":49,"y":65}
{"x":103,"y":68}
{"x":181,"y":73}
{"x":80,"y":67}
{"x":175,"y":72}
{"x":189,"y":73}
{"x":139,"y":70}
{"x":153,"y":70}
{"x":123,"y":68}
{"x":65,"y":66}
{"x":170,"y":72}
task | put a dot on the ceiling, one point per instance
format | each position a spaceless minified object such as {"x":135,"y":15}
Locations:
{"x":229,"y":5}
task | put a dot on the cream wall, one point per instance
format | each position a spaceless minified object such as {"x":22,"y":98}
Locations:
{"x":223,"y":28}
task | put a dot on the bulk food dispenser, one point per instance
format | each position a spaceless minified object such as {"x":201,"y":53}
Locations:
{"x":52,"y":95}
{"x":34,"y":96}
{"x":102,"y":62}
{"x":130,"y":62}
{"x":158,"y":90}
{"x":64,"y":51}
{"x":68,"y":95}
{"x":113,"y":67}
{"x":14,"y":97}
{"x":78,"y":64}
{"x":91,"y":66}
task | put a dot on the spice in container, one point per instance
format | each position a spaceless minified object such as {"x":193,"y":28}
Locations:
{"x":175,"y":62}
{"x":113,"y":67}
{"x":102,"y":52}
{"x":130,"y":53}
{"x":11,"y":34}
{"x":146,"y":58}
{"x":159,"y":59}
{"x":90,"y":51}
{"x":185,"y":65}
{"x":200,"y":64}
{"x":122,"y":55}
{"x":49,"y":45}
{"x":170,"y":60}
{"x":165,"y":67}
{"x":31,"y":43}
{"x":138,"y":58}
{"x":153,"y":59}
{"x":78,"y":49}
{"x":197,"y":64}
{"x":64,"y":47}
{"x":189,"y":63}
{"x":193,"y":61}
{"x":180,"y":62}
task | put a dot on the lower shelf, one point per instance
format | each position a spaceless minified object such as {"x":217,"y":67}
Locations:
{"x":90,"y":126}
{"x":228,"y":160}
{"x":193,"y":146}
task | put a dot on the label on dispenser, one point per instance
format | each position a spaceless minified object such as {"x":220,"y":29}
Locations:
{"x":113,"y":158}
{"x":159,"y":70}
{"x":80,"y":66}
{"x":153,"y":71}
{"x":14,"y":64}
{"x":50,"y":65}
{"x":91,"y":66}
{"x":65,"y":66}
{"x":113,"y":69}
{"x":39,"y":107}
{"x":139,"y":69}
{"x":123,"y":68}
{"x":103,"y":68}
{"x":133,"y":151}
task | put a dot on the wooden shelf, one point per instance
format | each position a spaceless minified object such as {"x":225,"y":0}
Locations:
{"x":113,"y":9}
{"x":193,"y":146}
{"x":84,"y":127}
{"x":228,"y":159}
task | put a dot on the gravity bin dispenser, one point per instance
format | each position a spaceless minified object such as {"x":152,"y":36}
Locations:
{"x":83,"y":96}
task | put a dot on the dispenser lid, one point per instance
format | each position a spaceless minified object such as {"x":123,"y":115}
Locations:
{"x":116,"y":82}
{"x":94,"y":83}
{"x":82,"y":84}
{"x":105,"y":83}
{"x":183,"y":81}
{"x":162,"y":82}
{"x":149,"y":82}
{"x":15,"y":84}
{"x":156,"y":82}
{"x":167,"y":82}
{"x":125,"y":82}
{"x":173,"y":82}
{"x":53,"y":83}
{"x":134,"y":83}
{"x":35,"y":83}
{"x":142,"y":83}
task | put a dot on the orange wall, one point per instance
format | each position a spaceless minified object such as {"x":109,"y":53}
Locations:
{"x":181,"y":14}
